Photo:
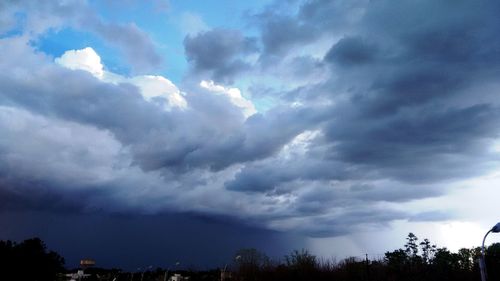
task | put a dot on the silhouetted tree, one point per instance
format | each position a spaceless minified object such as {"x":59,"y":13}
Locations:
{"x":301,"y":260}
{"x":396,"y":260}
{"x":28,"y":260}
{"x":250,"y":262}
{"x":466,"y":259}
{"x":302,"y":264}
{"x":493,"y":261}
{"x":428,"y":250}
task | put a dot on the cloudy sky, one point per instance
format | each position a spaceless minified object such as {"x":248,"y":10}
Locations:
{"x":147,"y":132}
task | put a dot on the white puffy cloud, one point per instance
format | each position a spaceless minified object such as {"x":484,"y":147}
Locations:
{"x":153,"y":86}
{"x":234,"y":95}
{"x":150,"y":86}
{"x":85,"y":59}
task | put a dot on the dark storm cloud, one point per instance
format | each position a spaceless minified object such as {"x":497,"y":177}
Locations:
{"x":351,"y":52}
{"x":351,"y":220}
{"x":413,"y":104}
{"x":407,"y":103}
{"x":26,"y":194}
{"x":411,"y":76}
{"x":280,"y":33}
{"x":35,"y":199}
{"x":267,"y":176}
{"x":219,"y":52}
{"x":422,"y":141}
{"x":261,"y":140}
{"x":393,"y":109}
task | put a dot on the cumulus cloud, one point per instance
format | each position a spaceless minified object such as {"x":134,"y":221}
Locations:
{"x":85,"y":59}
{"x":234,"y":95}
{"x":152,"y":87}
{"x":219,"y":53}
{"x":193,"y":149}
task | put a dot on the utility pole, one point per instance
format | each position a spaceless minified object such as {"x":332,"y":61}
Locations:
{"x":482,"y":259}
{"x":367,"y":267}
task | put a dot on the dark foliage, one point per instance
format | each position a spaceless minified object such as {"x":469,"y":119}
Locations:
{"x":417,"y":260}
{"x":28,"y":260}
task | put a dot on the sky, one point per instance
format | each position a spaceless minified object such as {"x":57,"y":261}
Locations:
{"x":154,"y":132}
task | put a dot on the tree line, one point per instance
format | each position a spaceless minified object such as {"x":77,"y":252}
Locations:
{"x":416,"y":260}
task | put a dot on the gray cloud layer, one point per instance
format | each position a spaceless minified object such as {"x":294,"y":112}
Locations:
{"x":219,"y":52}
